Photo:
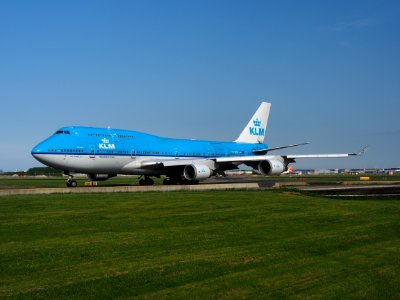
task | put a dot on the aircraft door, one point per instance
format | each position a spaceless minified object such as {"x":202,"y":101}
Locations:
{"x":133,"y":153}
{"x":92,"y":152}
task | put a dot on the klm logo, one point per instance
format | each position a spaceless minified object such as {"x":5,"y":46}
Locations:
{"x":256,"y":129}
{"x":106,"y":145}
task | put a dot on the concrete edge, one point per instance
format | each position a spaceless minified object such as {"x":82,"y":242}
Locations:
{"x":131,"y":189}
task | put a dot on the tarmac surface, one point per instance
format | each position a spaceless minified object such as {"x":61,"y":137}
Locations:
{"x":131,"y":189}
{"x":344,"y":189}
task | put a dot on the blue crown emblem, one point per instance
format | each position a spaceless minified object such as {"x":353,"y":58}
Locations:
{"x":257,"y":122}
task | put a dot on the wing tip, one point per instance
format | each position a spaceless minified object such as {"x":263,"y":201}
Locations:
{"x":361,"y":152}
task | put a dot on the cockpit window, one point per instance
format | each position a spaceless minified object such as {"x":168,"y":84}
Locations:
{"x":62,"y":132}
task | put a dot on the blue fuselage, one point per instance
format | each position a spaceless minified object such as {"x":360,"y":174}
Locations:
{"x":116,"y":142}
{"x":114,"y":151}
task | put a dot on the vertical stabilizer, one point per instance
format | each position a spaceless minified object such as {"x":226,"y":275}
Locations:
{"x":255,"y":130}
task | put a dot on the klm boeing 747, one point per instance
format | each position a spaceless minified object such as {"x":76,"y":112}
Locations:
{"x":102,"y":153}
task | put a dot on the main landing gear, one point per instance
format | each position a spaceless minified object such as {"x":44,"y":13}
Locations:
{"x":71,"y":182}
{"x":178,"y":180}
{"x":146,"y":181}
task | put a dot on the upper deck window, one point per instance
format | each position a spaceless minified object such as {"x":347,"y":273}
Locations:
{"x":110,"y":136}
{"x":99,"y":135}
{"x":62,"y":132}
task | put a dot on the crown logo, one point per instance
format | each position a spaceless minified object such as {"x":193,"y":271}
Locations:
{"x":105,"y":141}
{"x":257,"y":122}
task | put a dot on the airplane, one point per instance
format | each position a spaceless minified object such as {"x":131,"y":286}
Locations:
{"x":289,"y":171}
{"x":102,"y":153}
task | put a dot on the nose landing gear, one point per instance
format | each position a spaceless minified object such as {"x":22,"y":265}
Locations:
{"x":71,"y":182}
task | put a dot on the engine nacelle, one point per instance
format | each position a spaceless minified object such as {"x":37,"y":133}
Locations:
{"x":196,"y":172}
{"x":271,"y":167}
{"x":100,"y":177}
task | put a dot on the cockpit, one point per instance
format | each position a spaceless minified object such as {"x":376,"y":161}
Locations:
{"x":62,"y":132}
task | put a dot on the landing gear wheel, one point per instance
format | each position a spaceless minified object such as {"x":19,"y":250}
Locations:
{"x":71,"y":182}
{"x":185,"y":181}
{"x":146,"y":181}
{"x":178,"y":180}
{"x":171,"y":181}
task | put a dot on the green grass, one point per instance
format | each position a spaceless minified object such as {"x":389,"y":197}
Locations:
{"x":185,"y":245}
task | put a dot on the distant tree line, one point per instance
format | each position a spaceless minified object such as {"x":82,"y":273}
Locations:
{"x":43,"y":171}
{"x":38,"y":171}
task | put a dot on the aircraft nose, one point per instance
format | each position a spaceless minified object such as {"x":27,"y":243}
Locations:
{"x":37,"y":149}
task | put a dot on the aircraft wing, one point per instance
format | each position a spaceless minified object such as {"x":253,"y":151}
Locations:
{"x":244,"y":159}
{"x":321,"y":155}
{"x":170,"y":162}
{"x":151,"y":164}
{"x":159,"y":164}
{"x":361,"y":152}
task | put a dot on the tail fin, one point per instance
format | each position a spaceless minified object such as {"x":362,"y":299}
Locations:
{"x":254,"y":132}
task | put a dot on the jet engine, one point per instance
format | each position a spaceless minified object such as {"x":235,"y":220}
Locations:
{"x":271,"y":167}
{"x":100,"y":177}
{"x":196,"y":172}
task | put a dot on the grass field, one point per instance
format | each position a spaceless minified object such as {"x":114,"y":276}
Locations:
{"x":185,"y":245}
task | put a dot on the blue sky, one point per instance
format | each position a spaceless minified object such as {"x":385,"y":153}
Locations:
{"x":199,"y":69}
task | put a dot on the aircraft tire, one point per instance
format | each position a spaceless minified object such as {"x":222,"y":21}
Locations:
{"x":73,"y":183}
{"x":171,"y":181}
{"x":146,"y":181}
{"x":188,"y":182}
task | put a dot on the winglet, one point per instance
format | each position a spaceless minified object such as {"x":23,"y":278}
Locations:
{"x":361,"y":152}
